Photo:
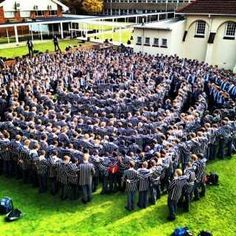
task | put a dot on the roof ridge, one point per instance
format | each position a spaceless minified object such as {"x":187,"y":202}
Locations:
{"x":182,"y":8}
{"x":227,"y":7}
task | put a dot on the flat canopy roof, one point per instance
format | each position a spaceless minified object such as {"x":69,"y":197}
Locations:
{"x":76,"y":19}
{"x":167,"y":25}
{"x":48,"y":20}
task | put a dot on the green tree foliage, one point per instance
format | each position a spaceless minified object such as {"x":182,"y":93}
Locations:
{"x":84,"y":6}
{"x":92,"y":6}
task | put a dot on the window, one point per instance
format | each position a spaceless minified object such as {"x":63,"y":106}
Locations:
{"x":155,"y":42}
{"x":9,"y":14}
{"x":53,"y":13}
{"x":25,"y":14}
{"x":200,"y":29}
{"x":164,"y":43}
{"x":230,"y":30}
{"x":139,"y":41}
{"x":147,"y":41}
{"x":39,"y":13}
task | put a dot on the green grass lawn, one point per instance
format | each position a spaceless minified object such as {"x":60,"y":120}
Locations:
{"x":4,"y":40}
{"x":105,"y":215}
{"x":95,"y":26}
{"x":48,"y":45}
{"x":125,"y":36}
{"x":42,"y":47}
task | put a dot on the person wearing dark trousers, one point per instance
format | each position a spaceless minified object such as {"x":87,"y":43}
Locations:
{"x":113,"y":171}
{"x":72,"y":173}
{"x":174,"y":193}
{"x":229,"y":148}
{"x":105,"y":187}
{"x":3,"y":152}
{"x":6,"y":155}
{"x":30,"y":46}
{"x":42,"y":166}
{"x":130,"y":179}
{"x":155,"y":190}
{"x":212,"y":146}
{"x":54,"y":161}
{"x":212,"y":151}
{"x":184,"y":153}
{"x":63,"y":178}
{"x":96,"y":175}
{"x":155,"y":182}
{"x":103,"y":168}
{"x":188,"y":187}
{"x":225,"y":139}
{"x":228,"y":136}
{"x":56,"y":43}
{"x":220,"y":153}
{"x":33,"y":178}
{"x":24,"y":161}
{"x":143,"y":186}
{"x":86,"y":172}
{"x":199,"y":186}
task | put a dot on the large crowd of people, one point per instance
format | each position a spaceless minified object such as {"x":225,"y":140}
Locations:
{"x":129,"y":121}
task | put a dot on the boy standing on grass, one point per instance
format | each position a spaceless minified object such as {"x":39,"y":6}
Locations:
{"x":56,"y":43}
{"x":174,"y":192}
{"x":87,"y":171}
{"x":30,"y":47}
{"x":130,"y":178}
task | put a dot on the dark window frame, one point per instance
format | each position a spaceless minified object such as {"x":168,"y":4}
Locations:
{"x":200,"y":31}
{"x":231,"y":35}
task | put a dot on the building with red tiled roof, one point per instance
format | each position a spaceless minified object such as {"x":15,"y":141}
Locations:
{"x":22,"y":10}
{"x":212,"y":7}
{"x":207,"y":34}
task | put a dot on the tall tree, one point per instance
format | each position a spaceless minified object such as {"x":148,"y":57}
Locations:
{"x":74,"y":5}
{"x":84,"y":6}
{"x":92,"y":6}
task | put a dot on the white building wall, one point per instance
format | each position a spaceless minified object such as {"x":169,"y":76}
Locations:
{"x":177,"y":39}
{"x":152,"y":34}
{"x":195,"y":48}
{"x":174,"y":40}
{"x":224,"y":50}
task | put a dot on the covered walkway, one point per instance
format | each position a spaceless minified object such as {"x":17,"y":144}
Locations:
{"x":71,"y":25}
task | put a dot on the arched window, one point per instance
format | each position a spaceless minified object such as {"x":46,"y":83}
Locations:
{"x":200,"y":28}
{"x":230,"y":30}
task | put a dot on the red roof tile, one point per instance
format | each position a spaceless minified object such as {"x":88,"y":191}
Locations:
{"x":223,"y":7}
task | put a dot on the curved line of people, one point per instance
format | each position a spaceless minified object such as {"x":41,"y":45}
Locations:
{"x":131,"y":121}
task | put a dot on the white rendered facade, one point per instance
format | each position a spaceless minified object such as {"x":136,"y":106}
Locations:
{"x":211,"y":39}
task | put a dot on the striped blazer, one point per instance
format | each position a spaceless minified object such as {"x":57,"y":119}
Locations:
{"x":86,"y":172}
{"x":130,"y":177}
